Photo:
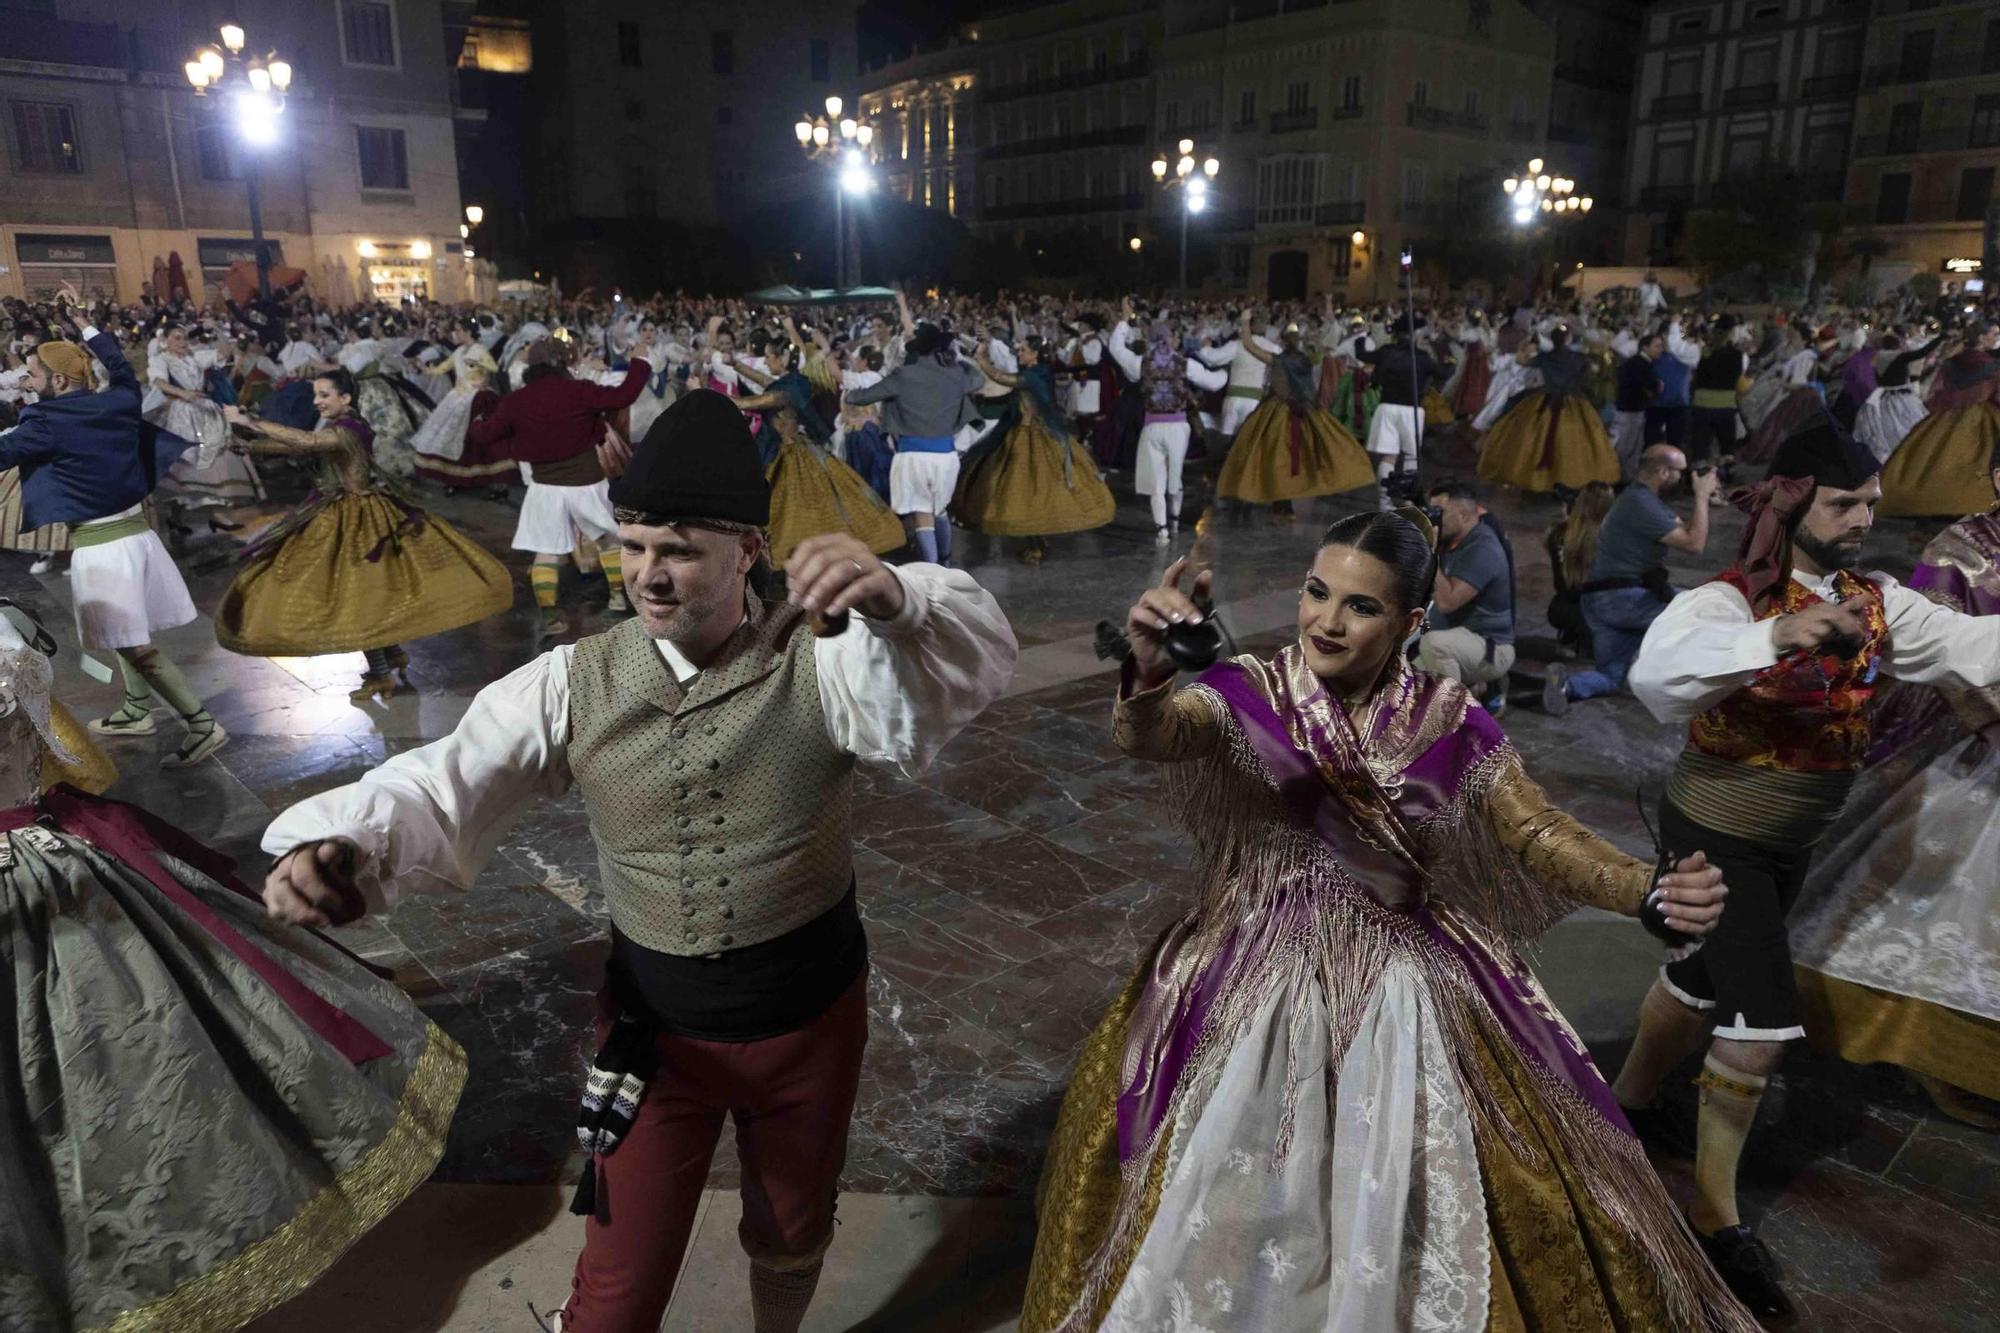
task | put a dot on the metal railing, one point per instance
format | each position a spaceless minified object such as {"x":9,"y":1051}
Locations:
{"x":1842,"y":84}
{"x":1135,"y":68}
{"x":1956,"y":65}
{"x":1343,"y":214}
{"x":1955,"y":139}
{"x":1927,"y":210}
{"x":1285,"y":122}
{"x":1109,"y":203}
{"x":1450,"y":122}
{"x":1675,"y":104}
{"x":1122,"y":136}
{"x":1751,"y":94}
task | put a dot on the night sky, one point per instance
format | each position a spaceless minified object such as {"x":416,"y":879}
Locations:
{"x":889,"y":28}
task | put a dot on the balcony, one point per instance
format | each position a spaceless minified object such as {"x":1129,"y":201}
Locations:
{"x":1053,"y":208}
{"x":1355,"y":112}
{"x":1957,"y":139}
{"x":1123,"y":136}
{"x":1423,"y":214}
{"x":1349,"y":214}
{"x":1930,"y":211}
{"x":1676,"y":104}
{"x":1959,"y":65}
{"x":1750,"y":94}
{"x":1830,"y":87}
{"x":1448,"y":122}
{"x":1288,"y":122}
{"x":1136,"y":68}
{"x":1656,"y":198}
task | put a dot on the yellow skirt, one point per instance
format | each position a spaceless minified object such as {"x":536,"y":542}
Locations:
{"x":48,"y":538}
{"x":93,"y":770}
{"x":1515,"y":448}
{"x":813,"y":493}
{"x":318,"y":592}
{"x":1559,"y":1262}
{"x":1437,"y":412}
{"x":1863,"y":1025}
{"x":1017,"y":489}
{"x":1942,"y":467}
{"x":1262,"y":469}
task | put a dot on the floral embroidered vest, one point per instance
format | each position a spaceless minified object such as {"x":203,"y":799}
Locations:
{"x":1163,"y":378}
{"x":1803,"y":714}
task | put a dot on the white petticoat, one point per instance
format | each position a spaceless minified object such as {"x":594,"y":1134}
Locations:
{"x":551,"y":516}
{"x":125,"y":591}
{"x":1888,"y":416}
{"x":1375,"y":1220}
{"x":922,"y":483}
{"x":443,"y":433}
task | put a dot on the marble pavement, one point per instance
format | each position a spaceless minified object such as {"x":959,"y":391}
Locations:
{"x":1007,"y":893}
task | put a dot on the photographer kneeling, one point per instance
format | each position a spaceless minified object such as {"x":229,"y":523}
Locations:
{"x":1627,"y":586}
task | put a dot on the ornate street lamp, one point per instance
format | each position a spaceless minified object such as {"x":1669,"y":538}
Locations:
{"x":842,"y":142}
{"x":256,"y":88}
{"x":1192,"y":184}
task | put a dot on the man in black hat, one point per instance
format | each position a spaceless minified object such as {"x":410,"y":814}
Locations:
{"x":713,"y":738}
{"x":1771,"y":667}
{"x":1404,"y":372}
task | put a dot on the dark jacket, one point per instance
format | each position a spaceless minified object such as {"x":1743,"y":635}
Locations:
{"x":1403,"y":373}
{"x":554,"y":418}
{"x":86,"y":456}
{"x":1638,"y":383}
{"x":924,"y":398}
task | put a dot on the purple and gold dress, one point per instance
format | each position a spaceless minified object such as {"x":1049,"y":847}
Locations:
{"x":1334,"y":1097}
{"x":1896,"y":934}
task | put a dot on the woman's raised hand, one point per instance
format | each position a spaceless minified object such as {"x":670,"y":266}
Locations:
{"x":1158,"y":609}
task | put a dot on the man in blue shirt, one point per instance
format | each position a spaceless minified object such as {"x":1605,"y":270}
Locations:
{"x":1470,"y":637}
{"x":1627,"y":587}
{"x":89,"y":460}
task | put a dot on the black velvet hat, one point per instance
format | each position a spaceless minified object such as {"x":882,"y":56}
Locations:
{"x":697,"y":462}
{"x":1828,"y":454}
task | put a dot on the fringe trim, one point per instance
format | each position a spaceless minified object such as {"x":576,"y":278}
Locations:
{"x":1295,"y":916}
{"x":1470,"y":868}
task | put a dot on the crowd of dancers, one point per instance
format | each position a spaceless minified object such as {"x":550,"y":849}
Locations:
{"x":770,"y":497}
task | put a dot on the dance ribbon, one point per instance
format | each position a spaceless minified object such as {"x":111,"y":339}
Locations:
{"x":1765,"y":552}
{"x":1548,"y":460}
{"x":129,"y":834}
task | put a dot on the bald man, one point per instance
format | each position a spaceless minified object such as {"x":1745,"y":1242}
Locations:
{"x":1627,"y":588}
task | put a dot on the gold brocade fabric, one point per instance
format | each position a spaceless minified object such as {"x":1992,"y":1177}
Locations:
{"x":1018,"y":489}
{"x":1940,"y":469}
{"x":1512,"y":451}
{"x":1559,"y":1263}
{"x":93,"y":771}
{"x":1437,"y":412}
{"x":1080,"y":1178}
{"x":318,"y":592}
{"x":1260,"y":468}
{"x":48,"y":538}
{"x":290,"y":1259}
{"x":813,"y":493}
{"x":1560,"y":852}
{"x":1867,"y":1026}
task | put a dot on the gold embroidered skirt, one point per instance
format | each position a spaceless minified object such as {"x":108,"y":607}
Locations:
{"x":1018,"y":487}
{"x":360,"y":571}
{"x":48,"y":538}
{"x":1519,"y":450}
{"x":1942,"y":467}
{"x":1282,"y":455}
{"x":93,"y":770}
{"x":813,"y":493}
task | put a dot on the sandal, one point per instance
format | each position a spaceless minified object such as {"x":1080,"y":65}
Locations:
{"x":205,"y":736}
{"x":133,"y":718}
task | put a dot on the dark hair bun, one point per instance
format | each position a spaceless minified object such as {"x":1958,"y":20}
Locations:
{"x":1397,"y":543}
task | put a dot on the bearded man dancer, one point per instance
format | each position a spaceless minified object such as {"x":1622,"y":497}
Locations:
{"x":1771,"y":666}
{"x":714,"y":740}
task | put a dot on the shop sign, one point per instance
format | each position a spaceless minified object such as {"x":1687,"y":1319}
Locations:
{"x":64,"y":249}
{"x":1964,"y":264}
{"x":222,"y":251}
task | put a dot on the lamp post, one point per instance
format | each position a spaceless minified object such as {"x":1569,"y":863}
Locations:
{"x":1537,"y":196}
{"x":256,"y":88}
{"x":842,"y":140}
{"x":1192,"y":185}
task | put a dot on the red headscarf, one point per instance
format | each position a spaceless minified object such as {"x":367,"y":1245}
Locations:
{"x":1765,"y":553}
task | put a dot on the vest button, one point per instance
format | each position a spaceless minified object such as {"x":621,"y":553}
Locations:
{"x":679,"y":764}
{"x":680,"y":733}
{"x":708,"y":731}
{"x":713,"y":764}
{"x":722,"y":883}
{"x":714,"y":795}
{"x":687,"y":849}
{"x":687,"y":909}
{"x":726,"y":941}
{"x":715,"y":819}
{"x":728,"y":912}
{"x":687,"y":881}
{"x":692,"y":936}
{"x":720,"y":849}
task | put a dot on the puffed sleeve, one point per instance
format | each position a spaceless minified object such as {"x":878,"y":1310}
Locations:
{"x":1162,"y":723}
{"x":1561,"y":853}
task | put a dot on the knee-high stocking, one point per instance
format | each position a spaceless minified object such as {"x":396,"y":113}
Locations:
{"x":779,"y":1296}
{"x":1729,"y":1099}
{"x":158,"y":673}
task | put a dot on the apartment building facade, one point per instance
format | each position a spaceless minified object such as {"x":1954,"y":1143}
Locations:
{"x":926,"y":144}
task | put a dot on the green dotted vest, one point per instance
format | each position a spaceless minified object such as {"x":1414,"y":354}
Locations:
{"x":722,"y":811}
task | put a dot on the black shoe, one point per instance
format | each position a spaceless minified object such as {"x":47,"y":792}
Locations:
{"x":1663,"y":1130}
{"x":1745,"y":1263}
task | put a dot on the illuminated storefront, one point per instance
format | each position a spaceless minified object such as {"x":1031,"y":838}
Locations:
{"x":396,"y":271}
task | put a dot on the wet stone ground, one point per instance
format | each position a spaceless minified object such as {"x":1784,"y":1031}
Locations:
{"x":1010,"y":890}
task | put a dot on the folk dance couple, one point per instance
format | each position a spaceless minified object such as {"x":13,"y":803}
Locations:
{"x":1358,"y":915}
